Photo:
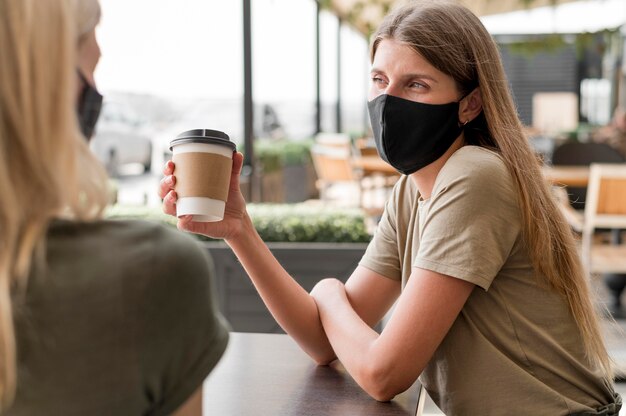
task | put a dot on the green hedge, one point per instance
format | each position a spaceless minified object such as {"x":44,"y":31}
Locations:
{"x":274,"y":155}
{"x":279,"y":222}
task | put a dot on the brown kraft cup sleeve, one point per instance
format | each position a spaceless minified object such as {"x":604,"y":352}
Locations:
{"x":202,"y":175}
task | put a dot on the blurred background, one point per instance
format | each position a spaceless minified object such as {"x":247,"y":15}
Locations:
{"x":171,"y":66}
{"x":288,"y":81}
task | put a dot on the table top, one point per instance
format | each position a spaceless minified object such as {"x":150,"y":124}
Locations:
{"x":373,"y":164}
{"x":268,"y":374}
{"x":577,"y":176}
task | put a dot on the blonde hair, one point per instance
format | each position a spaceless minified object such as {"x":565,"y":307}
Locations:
{"x":46,"y":168}
{"x":455,"y":42}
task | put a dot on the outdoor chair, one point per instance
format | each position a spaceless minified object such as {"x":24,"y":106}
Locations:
{"x":605,"y":210}
{"x":331,"y":156}
{"x":601,"y":225}
{"x":364,"y":148}
{"x":575,"y":153}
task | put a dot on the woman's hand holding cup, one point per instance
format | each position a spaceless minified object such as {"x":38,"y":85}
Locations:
{"x":234,"y":212}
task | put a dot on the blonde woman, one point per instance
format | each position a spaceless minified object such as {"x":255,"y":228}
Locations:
{"x":493,"y":310}
{"x":96,"y":317}
{"x":89,"y":100}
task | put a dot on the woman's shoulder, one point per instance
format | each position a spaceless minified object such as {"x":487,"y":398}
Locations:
{"x":477,"y":173}
{"x":129,"y":239}
{"x":150,"y":254}
{"x":147,"y":288}
{"x":475,"y":164}
{"x":112,"y":229}
{"x":478,"y":159}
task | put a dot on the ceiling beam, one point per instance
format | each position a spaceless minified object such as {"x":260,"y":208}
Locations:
{"x":365,"y":15}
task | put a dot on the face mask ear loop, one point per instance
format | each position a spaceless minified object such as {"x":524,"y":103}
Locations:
{"x":466,"y":95}
{"x":463,"y":124}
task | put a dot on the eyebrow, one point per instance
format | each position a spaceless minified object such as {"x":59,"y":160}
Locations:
{"x":408,"y":76}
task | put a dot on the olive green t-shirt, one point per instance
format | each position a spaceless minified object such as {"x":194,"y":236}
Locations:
{"x":514,"y":349}
{"x":122,"y":320}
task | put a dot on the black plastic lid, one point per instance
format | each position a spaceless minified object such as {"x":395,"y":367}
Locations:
{"x":203,"y":136}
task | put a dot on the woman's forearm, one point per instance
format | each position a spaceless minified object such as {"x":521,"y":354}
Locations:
{"x":292,"y":307}
{"x":352,"y":339}
{"x":357,"y":345}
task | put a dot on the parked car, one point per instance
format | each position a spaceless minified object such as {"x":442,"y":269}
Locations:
{"x":221,"y":115}
{"x":121,"y":138}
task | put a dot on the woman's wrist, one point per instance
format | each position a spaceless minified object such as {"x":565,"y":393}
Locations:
{"x":244,"y":233}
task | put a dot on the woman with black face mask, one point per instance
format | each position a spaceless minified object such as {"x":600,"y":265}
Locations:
{"x":89,"y":100}
{"x":492,"y":308}
{"x":97,"y":317}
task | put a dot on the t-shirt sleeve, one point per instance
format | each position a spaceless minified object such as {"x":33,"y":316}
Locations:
{"x":471,"y":222}
{"x":382,"y":255}
{"x":183,"y":333}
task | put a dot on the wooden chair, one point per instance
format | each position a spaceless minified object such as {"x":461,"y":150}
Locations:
{"x":605,"y":209}
{"x":380,"y":182}
{"x":332,"y":159}
{"x":583,"y":154}
{"x":389,"y":178}
{"x":332,"y":165}
{"x":333,"y":155}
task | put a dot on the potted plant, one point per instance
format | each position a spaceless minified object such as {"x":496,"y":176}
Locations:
{"x":284,"y":171}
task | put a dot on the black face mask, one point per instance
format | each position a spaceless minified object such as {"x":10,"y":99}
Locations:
{"x":89,"y":106}
{"x":411,"y":135}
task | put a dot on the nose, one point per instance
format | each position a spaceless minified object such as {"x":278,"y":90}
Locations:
{"x":390,"y":89}
{"x":393,"y":88}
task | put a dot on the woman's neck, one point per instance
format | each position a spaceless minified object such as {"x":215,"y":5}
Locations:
{"x":425,"y":178}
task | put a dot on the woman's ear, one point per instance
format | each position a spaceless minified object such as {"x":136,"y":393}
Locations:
{"x":471,"y":106}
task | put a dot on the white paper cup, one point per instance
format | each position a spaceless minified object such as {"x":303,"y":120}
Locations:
{"x":203,"y":162}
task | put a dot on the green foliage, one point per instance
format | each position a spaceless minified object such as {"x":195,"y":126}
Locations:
{"x":268,"y":156}
{"x":535,"y":44}
{"x":139,"y":212}
{"x":273,"y":155}
{"x":306,"y":223}
{"x":528,"y":3}
{"x":361,"y":12}
{"x":531,"y":45}
{"x":278,"y":222}
{"x":295,"y":153}
{"x":325,"y":4}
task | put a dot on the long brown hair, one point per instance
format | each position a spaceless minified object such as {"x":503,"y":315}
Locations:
{"x":455,"y":42}
{"x":46,"y":168}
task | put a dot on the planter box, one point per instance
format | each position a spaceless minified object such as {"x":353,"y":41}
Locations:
{"x":306,"y":262}
{"x":293,"y":183}
{"x":299,"y":182}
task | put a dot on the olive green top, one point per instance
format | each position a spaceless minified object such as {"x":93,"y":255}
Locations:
{"x":514,"y":349}
{"x":122,"y":320}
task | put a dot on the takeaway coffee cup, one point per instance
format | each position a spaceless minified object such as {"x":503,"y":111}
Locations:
{"x":203,"y":159}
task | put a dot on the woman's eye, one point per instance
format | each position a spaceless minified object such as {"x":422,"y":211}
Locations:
{"x":416,"y":85}
{"x":377,"y":80}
